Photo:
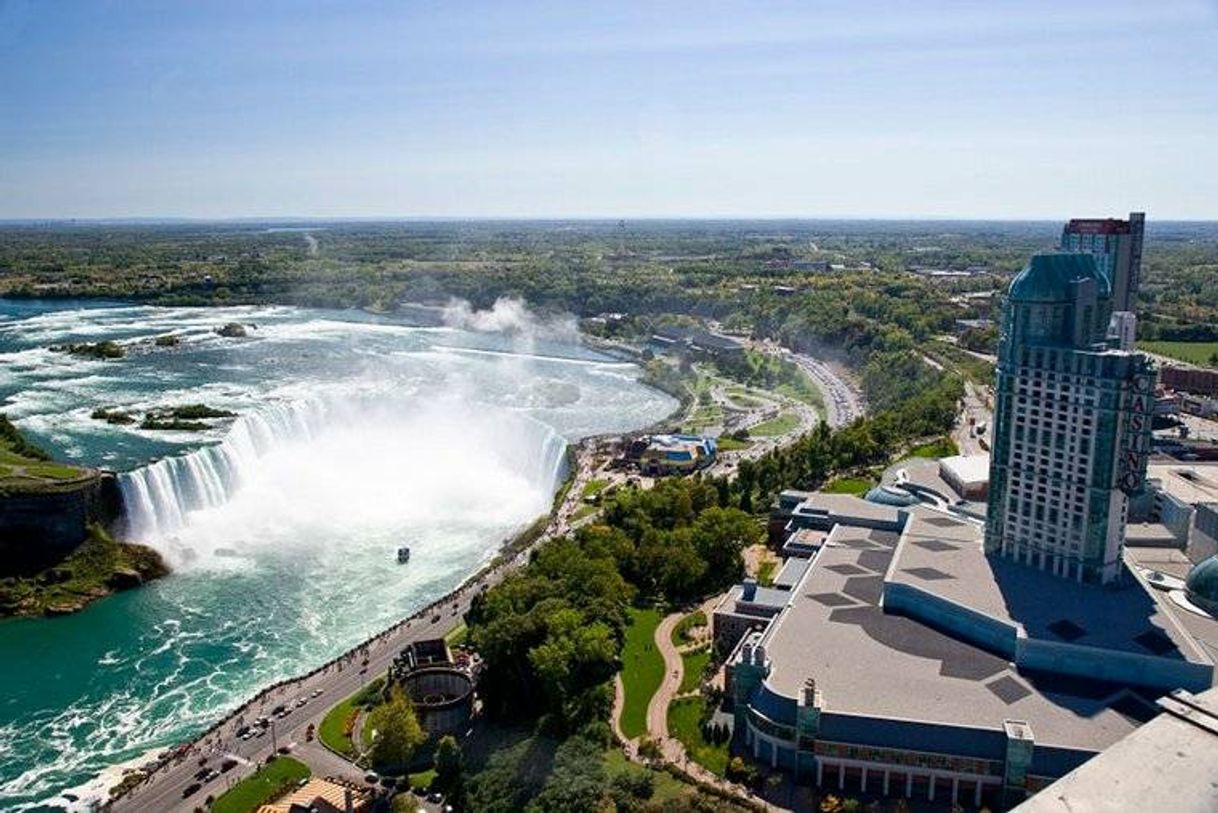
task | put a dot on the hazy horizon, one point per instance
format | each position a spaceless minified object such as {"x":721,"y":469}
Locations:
{"x":539,"y":111}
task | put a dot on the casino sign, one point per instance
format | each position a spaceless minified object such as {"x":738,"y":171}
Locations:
{"x":1135,"y":432}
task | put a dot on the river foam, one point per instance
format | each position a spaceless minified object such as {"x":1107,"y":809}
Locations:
{"x":354,"y":435}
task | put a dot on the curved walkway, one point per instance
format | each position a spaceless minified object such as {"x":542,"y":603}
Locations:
{"x":671,"y":749}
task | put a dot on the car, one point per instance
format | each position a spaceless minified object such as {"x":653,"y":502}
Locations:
{"x":242,"y":730}
{"x":285,"y":749}
{"x":435,"y":618}
{"x":212,"y":774}
{"x":278,"y":708}
{"x":228,"y":764}
{"x":317,"y":692}
{"x":435,"y":798}
{"x":201,"y":774}
{"x":372,"y":777}
{"x":301,"y":701}
{"x":191,"y":789}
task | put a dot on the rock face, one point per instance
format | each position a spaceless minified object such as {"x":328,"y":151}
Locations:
{"x":39,"y":529}
{"x":125,"y":579}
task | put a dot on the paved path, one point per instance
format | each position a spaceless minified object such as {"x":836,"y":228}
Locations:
{"x":670,"y":686}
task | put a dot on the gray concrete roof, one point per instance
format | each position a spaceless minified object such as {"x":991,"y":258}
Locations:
{"x":792,"y":571}
{"x":1167,"y":764}
{"x":849,"y":505}
{"x":866,"y":662}
{"x":946,"y":556}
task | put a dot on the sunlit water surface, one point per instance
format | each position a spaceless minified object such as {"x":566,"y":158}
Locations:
{"x":355,"y":435}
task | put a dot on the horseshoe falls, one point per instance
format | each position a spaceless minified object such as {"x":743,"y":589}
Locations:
{"x":353,"y":435}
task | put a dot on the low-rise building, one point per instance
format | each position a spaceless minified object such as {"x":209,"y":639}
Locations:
{"x":968,"y":475}
{"x":906,"y":661}
{"x":323,"y":796}
{"x":676,"y":454}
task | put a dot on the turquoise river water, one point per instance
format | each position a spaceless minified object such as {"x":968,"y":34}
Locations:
{"x":355,"y":434}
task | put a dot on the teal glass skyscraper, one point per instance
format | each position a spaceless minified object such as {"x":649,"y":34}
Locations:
{"x":1072,"y":423}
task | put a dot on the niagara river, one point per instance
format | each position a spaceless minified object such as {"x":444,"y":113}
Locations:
{"x":351,"y":435}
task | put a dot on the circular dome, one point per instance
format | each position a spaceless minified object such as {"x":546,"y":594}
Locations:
{"x":887,"y":495}
{"x":1049,"y":277}
{"x":1201,"y":586}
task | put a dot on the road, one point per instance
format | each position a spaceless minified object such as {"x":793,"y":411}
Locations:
{"x":164,"y":788}
{"x":843,"y":401}
{"x":336,"y":681}
{"x":974,"y":412}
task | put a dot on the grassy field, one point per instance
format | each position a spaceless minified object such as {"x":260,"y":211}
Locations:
{"x":642,"y":669}
{"x":594,"y":487}
{"x":263,"y":786}
{"x":849,"y":485}
{"x":457,"y":635}
{"x":784,"y":423}
{"x":684,"y":723}
{"x":1203,"y":354}
{"x":943,"y":447}
{"x":23,"y":475}
{"x":695,"y":664}
{"x":726,"y":443}
{"x":665,"y":786}
{"x":583,"y":511}
{"x":334,"y":731}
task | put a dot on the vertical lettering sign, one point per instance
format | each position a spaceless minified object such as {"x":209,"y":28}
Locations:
{"x":1135,"y":434}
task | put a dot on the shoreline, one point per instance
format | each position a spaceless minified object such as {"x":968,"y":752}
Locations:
{"x":482,"y":578}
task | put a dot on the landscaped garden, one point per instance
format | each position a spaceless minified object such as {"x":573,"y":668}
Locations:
{"x":685,"y":723}
{"x":779,"y":425}
{"x":268,"y":783}
{"x":642,"y":669}
{"x":695,"y":664}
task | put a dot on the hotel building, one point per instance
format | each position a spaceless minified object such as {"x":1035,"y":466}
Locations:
{"x":1072,"y":424}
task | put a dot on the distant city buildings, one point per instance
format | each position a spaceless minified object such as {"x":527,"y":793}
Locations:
{"x":1117,"y":246}
{"x":1072,"y":426}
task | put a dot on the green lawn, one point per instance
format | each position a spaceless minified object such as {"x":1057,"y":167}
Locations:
{"x":665,"y":786}
{"x":684,"y":723}
{"x":943,"y":447}
{"x":780,"y":425}
{"x":267,"y":784}
{"x":594,"y":487}
{"x":457,"y":635}
{"x":849,"y":485}
{"x":333,"y":729}
{"x":642,"y":669}
{"x":1203,"y":354}
{"x":423,"y":779}
{"x":695,"y":664}
{"x":727,"y":443}
{"x":583,"y":511}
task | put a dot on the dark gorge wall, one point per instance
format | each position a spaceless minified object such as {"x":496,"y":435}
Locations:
{"x":40,"y":528}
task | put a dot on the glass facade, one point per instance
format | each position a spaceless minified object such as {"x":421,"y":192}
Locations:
{"x":1069,"y":433}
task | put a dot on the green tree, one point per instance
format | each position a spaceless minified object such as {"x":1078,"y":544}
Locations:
{"x":449,"y":763}
{"x":397,"y":730}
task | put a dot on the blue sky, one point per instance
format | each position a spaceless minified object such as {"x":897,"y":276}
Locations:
{"x":524,"y":109}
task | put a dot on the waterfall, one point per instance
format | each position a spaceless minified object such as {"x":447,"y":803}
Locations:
{"x":159,"y":498}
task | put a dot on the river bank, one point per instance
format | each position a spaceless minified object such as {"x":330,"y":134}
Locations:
{"x":101,"y":566}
